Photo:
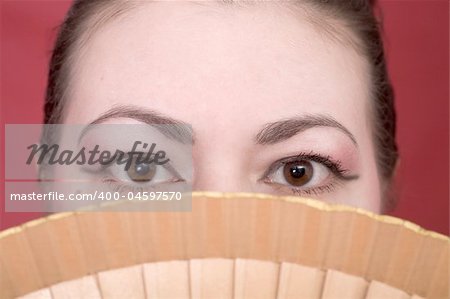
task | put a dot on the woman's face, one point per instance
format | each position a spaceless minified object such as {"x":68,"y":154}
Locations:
{"x":276,"y":103}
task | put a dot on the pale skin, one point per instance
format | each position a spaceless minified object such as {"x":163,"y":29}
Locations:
{"x":228,"y":72}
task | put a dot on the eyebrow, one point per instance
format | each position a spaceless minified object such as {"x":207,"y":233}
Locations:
{"x":272,"y":133}
{"x":284,"y":129}
{"x":169,"y":127}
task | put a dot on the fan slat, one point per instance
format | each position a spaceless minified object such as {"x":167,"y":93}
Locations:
{"x":386,"y":239}
{"x":41,"y":294}
{"x":122,"y":283}
{"x":255,"y":279}
{"x":44,"y":253}
{"x":297,"y":281}
{"x":85,"y":287}
{"x":17,"y":259}
{"x":339,"y":240}
{"x":167,"y":280}
{"x":440,"y":281}
{"x":360,"y":243}
{"x":313,"y":244}
{"x":67,"y":252}
{"x":143,"y":232}
{"x":379,"y":290}
{"x":431,"y":267}
{"x":403,"y":258}
{"x":339,"y":285}
{"x":6,"y":285}
{"x":211,"y":278}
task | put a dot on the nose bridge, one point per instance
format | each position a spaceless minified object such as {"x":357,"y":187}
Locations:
{"x":219,"y":168}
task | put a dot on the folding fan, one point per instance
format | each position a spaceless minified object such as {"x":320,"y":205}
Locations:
{"x":232,"y":245}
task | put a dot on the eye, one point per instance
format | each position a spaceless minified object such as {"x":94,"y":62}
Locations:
{"x":302,"y":173}
{"x":298,"y":173}
{"x":143,"y":173}
{"x":306,"y":173}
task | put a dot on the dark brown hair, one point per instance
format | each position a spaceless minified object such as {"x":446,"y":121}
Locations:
{"x":357,"y":16}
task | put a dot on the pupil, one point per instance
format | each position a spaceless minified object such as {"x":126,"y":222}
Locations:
{"x":141,"y":171}
{"x":142,"y":168}
{"x":297,"y":171}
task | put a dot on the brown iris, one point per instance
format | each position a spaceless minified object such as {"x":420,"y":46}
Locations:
{"x":141,"y":172}
{"x":298,"y":173}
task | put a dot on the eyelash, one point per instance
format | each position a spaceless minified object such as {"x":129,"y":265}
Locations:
{"x":317,"y":190}
{"x":335,"y":166}
{"x":119,"y":186}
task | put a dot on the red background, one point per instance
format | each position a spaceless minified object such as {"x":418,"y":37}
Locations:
{"x":417,"y":43}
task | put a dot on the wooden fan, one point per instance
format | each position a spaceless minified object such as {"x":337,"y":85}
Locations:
{"x":238,"y":245}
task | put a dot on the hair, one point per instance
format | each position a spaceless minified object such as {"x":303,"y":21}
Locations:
{"x":357,"y":17}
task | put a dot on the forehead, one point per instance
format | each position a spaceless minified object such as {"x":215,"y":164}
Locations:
{"x":186,"y":60}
